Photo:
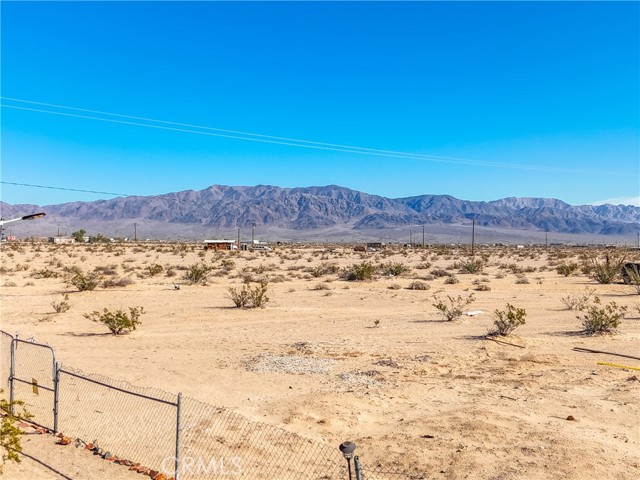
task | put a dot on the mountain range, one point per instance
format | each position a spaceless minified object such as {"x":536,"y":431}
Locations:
{"x":309,"y":209}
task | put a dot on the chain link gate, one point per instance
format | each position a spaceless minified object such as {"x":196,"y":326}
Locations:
{"x":33,"y":380}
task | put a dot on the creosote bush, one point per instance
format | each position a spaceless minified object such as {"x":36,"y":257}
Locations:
{"x":85,"y":281}
{"x":472,"y":266}
{"x":118,"y":322}
{"x":578,"y":301}
{"x":567,"y":269}
{"x":62,"y":306}
{"x":361,"y":272}
{"x":507,"y":320}
{"x":452,"y":308}
{"x":599,"y":319}
{"x":607,"y":269}
{"x":418,"y":285}
{"x":249,"y":297}
{"x":198,"y":273}
{"x":154,"y":269}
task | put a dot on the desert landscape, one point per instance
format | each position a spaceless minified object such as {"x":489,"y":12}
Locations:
{"x":351,"y":345}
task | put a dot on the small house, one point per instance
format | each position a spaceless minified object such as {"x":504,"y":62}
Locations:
{"x":220,"y":245}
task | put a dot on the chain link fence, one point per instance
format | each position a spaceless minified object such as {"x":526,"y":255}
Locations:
{"x":5,"y":363}
{"x":215,"y":441}
{"x":125,"y":421}
{"x":181,"y":437}
{"x":32,"y":380}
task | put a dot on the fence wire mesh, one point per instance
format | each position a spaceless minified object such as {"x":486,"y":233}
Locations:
{"x":5,"y":363}
{"x":217,"y":443}
{"x":130,"y":422}
{"x":142,"y":425}
{"x":33,"y":382}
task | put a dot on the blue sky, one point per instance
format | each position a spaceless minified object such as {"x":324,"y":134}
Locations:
{"x":531,"y":99}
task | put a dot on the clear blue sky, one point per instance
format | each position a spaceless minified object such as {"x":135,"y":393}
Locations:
{"x":548,"y":90}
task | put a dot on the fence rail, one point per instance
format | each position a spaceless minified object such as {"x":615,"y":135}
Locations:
{"x":181,"y":437}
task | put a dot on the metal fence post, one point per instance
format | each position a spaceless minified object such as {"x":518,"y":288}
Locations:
{"x":56,"y":396}
{"x":12,"y":372}
{"x":356,"y":462}
{"x":177,"y":459}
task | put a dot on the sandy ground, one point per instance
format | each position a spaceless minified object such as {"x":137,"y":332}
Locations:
{"x":414,"y":392}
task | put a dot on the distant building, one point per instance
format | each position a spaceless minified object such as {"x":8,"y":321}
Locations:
{"x":220,"y":245}
{"x":62,"y":240}
{"x":373,"y":246}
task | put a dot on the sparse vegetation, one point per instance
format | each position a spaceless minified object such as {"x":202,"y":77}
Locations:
{"x":631,"y":276}
{"x":249,"y":297}
{"x":361,"y":272}
{"x":118,"y":322}
{"x":62,"y":306}
{"x":507,"y":320}
{"x":85,"y":281}
{"x":418,"y":285}
{"x":10,"y":433}
{"x":608,"y":268}
{"x":451,"y":308}
{"x":578,"y":301}
{"x":198,"y":273}
{"x":599,"y":319}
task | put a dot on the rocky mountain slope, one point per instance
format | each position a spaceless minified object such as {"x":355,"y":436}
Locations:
{"x":311,"y":208}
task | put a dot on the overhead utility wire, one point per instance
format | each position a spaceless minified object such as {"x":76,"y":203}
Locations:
{"x":67,"y":189}
{"x":275,"y":140}
{"x":260,"y":140}
{"x":237,"y":132}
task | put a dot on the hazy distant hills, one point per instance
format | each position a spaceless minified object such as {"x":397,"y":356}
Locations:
{"x":337,"y":208}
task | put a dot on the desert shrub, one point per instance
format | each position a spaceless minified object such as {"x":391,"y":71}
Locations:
{"x":418,"y":285}
{"x":482,"y":287}
{"x":228,"y":264}
{"x":606,"y":269}
{"x":452,"y":308}
{"x":578,"y":301}
{"x":360,"y":272}
{"x":423,"y":266}
{"x":521,"y":279}
{"x":154,"y":269}
{"x":507,"y":320}
{"x":118,"y":322}
{"x":393,"y":268}
{"x":471,"y":266}
{"x":439,"y":272}
{"x":631,"y":275}
{"x":10,"y":433}
{"x":61,"y":306}
{"x":45,"y":273}
{"x":85,"y":281}
{"x":599,"y":319}
{"x":321,"y":286}
{"x":567,"y":269}
{"x":198,"y":273}
{"x":249,"y":297}
{"x":451,"y":280}
{"x":394,"y":286}
{"x":120,"y":282}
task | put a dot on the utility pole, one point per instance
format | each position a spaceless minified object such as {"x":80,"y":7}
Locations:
{"x":411,"y":238}
{"x":135,"y":232}
{"x":423,"y":236}
{"x":253,"y":234}
{"x":238,"y":238}
{"x":473,"y":236}
{"x":546,"y":238}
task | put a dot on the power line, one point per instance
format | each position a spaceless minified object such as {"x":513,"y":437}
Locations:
{"x":270,"y":139}
{"x":67,"y":189}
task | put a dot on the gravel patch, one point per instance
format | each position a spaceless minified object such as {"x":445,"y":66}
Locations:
{"x":290,"y":364}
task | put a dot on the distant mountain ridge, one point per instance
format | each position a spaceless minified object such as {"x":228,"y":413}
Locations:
{"x":309,"y":208}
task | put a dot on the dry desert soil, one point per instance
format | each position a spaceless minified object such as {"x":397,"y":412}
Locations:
{"x":332,"y":359}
